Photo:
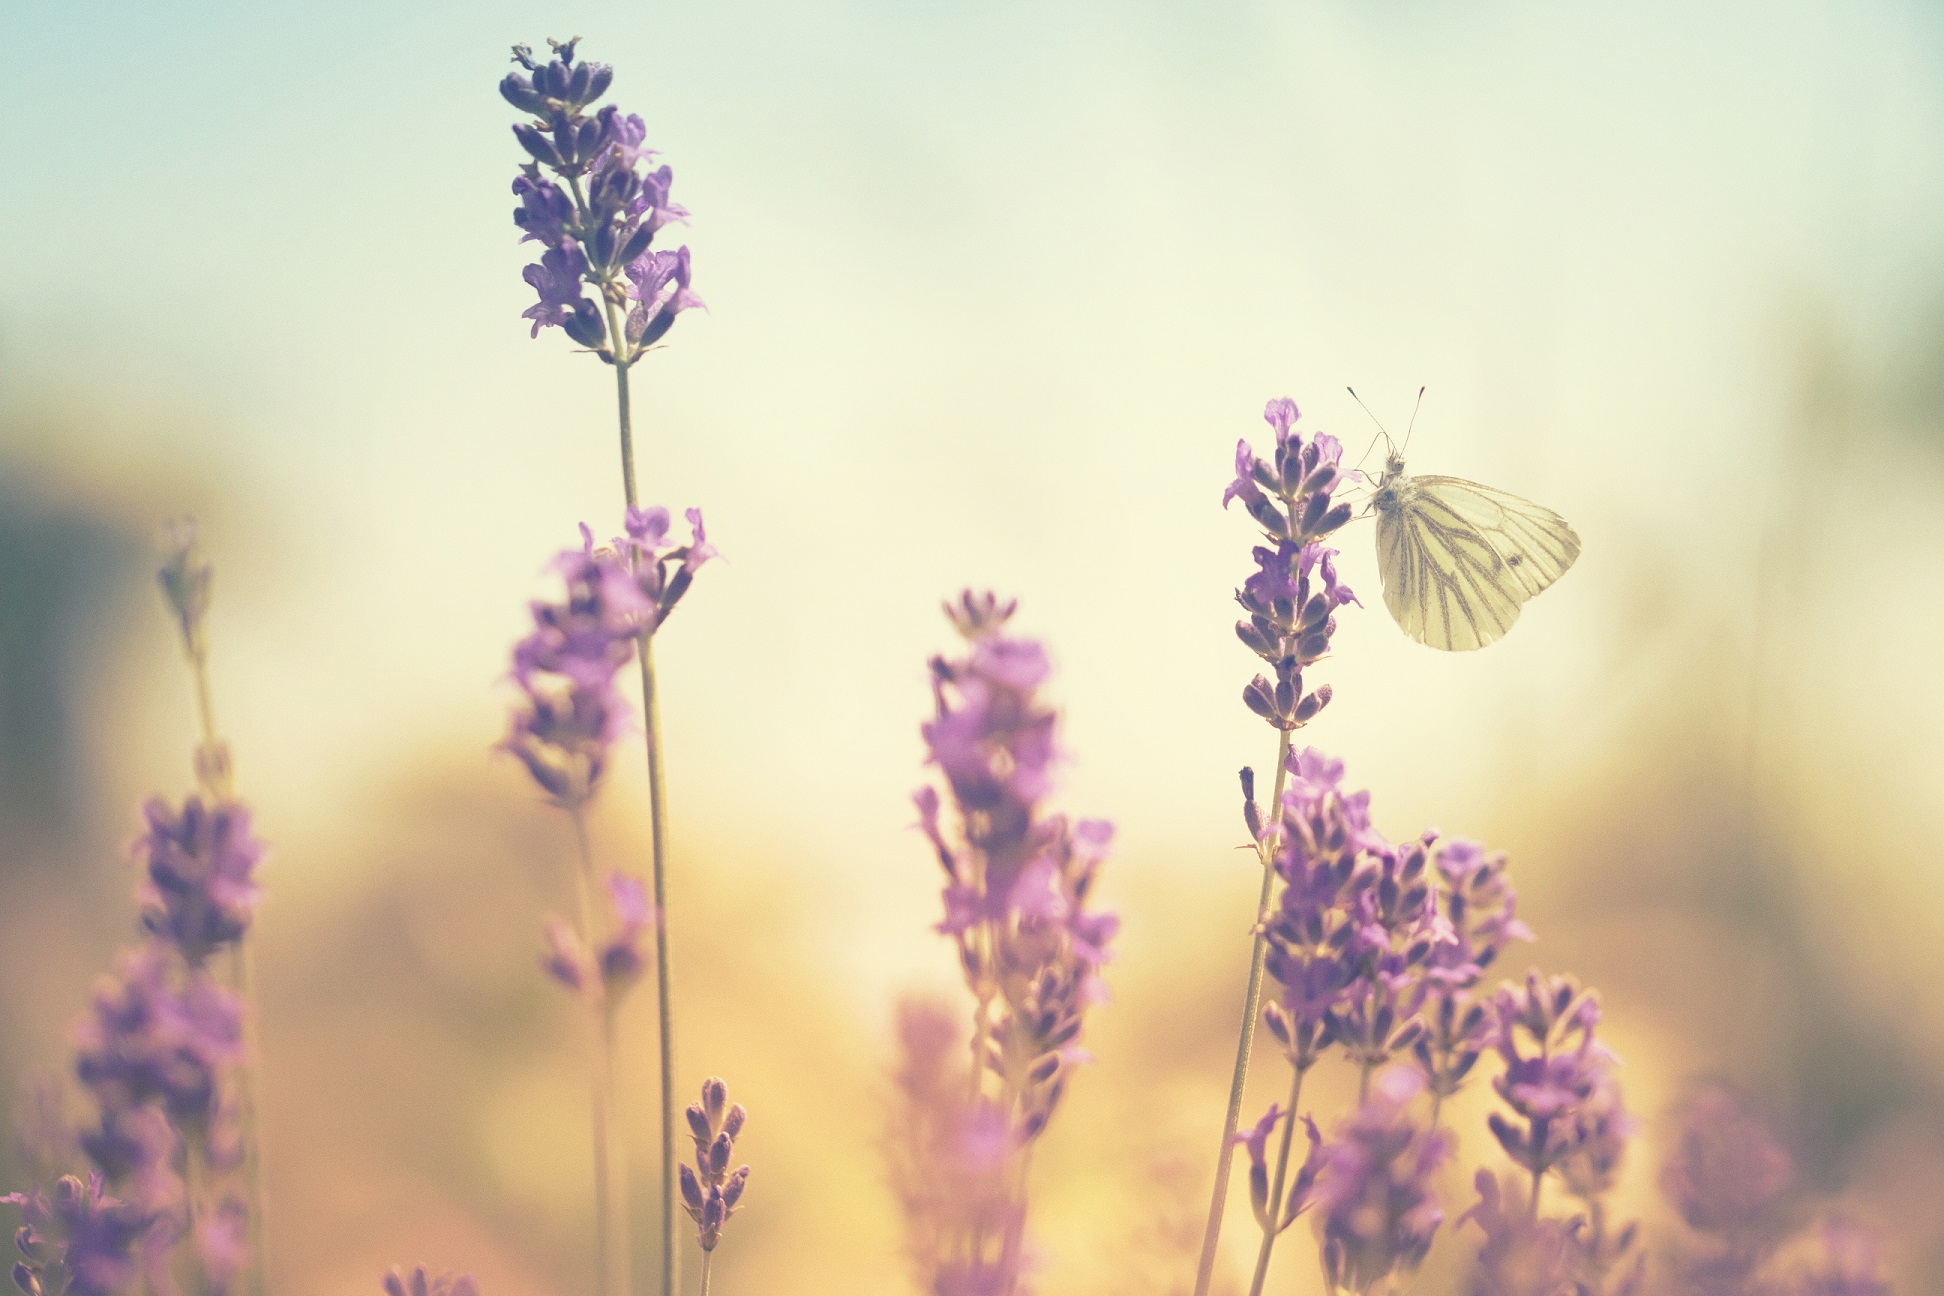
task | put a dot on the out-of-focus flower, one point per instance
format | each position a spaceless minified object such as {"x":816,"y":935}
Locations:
{"x":200,"y":890}
{"x":1846,"y":1262}
{"x":1522,"y":1255}
{"x":421,"y":1283}
{"x":148,"y":1037}
{"x":1378,"y":1210}
{"x":1728,"y":1175}
{"x":76,"y":1240}
{"x":1554,"y":1067}
{"x":570,"y":712}
{"x":711,"y":1192}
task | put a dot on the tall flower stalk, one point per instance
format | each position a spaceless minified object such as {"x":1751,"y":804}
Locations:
{"x":592,"y":199}
{"x":566,"y":721}
{"x":186,"y":578}
{"x":1291,"y":602}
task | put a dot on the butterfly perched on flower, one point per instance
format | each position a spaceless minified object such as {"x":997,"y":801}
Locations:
{"x":1460,"y":560}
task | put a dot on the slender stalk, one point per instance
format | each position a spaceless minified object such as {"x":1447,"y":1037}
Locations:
{"x":1272,"y":1229}
{"x":213,"y":769}
{"x":1245,"y":1042}
{"x":1363,"y":1082}
{"x":708,"y":1259}
{"x":664,"y":995}
{"x":1437,"y":1105}
{"x":610,"y":1211}
{"x":1538,"y":1182}
{"x":658,"y":838}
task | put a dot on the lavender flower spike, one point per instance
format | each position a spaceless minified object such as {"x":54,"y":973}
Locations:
{"x":592,"y":198}
{"x":711,"y":1192}
{"x":201,"y":890}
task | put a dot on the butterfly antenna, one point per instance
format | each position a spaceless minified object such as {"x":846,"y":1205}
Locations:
{"x":1414,"y":413}
{"x":1374,"y":419}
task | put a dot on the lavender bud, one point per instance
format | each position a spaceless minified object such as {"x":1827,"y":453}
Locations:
{"x":715,"y":1096}
{"x":732,"y":1189}
{"x":692,"y":1194}
{"x":733,"y":1122}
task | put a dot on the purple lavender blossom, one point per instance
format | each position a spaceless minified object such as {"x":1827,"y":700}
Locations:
{"x":571,"y":713}
{"x":711,"y":1192}
{"x":1555,"y":1070}
{"x":201,"y":890}
{"x":599,"y":213}
{"x":1379,"y":1212}
{"x":1292,"y":597}
{"x":619,"y":960}
{"x":1354,"y":922}
{"x":1478,"y":908}
{"x":420,"y":1283}
{"x":77,"y":1241}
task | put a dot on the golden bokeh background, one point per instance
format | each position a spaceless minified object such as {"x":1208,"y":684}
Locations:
{"x":993,"y":288}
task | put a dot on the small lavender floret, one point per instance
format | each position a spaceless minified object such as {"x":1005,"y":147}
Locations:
{"x":1298,"y":1195}
{"x":711,"y":1192}
{"x":1379,"y":1211}
{"x":1554,"y":1069}
{"x":186,"y":577}
{"x":76,"y":1240}
{"x":200,"y":891}
{"x":421,"y":1283}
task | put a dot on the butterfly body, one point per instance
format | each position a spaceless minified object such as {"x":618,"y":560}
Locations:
{"x":1459,"y":560}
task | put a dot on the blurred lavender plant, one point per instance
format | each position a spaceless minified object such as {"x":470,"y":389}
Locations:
{"x":567,"y":718}
{"x":1016,"y":897}
{"x":1733,"y":1183}
{"x":712,"y":1192}
{"x":162,"y":1051}
{"x":1378,"y":1212}
{"x":420,"y":1283}
{"x":1558,"y":1080}
{"x":592,"y":199}
{"x":1291,"y":602}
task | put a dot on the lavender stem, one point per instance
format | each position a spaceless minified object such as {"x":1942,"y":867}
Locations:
{"x":708,"y":1259}
{"x":664,"y":998}
{"x":1272,"y":1229}
{"x":214,"y":770}
{"x":658,"y":843}
{"x":1245,"y":1043}
{"x":610,"y":1223}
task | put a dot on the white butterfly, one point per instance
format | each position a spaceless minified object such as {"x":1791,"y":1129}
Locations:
{"x":1459,"y":559}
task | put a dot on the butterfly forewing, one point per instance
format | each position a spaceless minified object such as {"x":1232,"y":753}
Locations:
{"x":1536,"y":543}
{"x":1458,"y":559}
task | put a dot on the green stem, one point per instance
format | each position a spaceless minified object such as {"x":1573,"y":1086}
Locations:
{"x":658,"y":825}
{"x":1245,"y":1042}
{"x":610,"y":1214}
{"x":664,"y":995}
{"x":708,"y":1259}
{"x":1538,"y":1182}
{"x":1273,"y":1228}
{"x":1363,"y":1082}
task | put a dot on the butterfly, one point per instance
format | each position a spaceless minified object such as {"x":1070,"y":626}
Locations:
{"x":1459,"y":560}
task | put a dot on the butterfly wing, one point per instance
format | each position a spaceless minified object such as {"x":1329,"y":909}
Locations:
{"x":1444,"y":583}
{"x":1535,"y":543}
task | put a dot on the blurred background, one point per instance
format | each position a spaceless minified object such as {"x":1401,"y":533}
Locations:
{"x":994,"y":287}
